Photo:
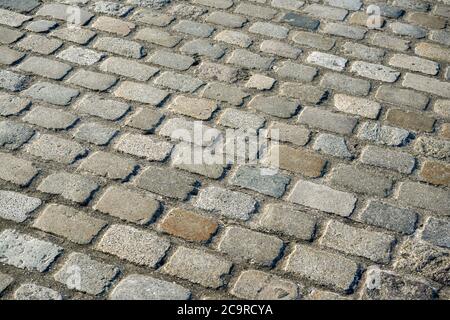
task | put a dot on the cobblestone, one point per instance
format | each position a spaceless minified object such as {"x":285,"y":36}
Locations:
{"x":16,"y":170}
{"x":31,"y":291}
{"x":13,"y":134}
{"x":16,"y":206}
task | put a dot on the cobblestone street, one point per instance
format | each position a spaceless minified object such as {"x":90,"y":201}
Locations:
{"x":352,"y":100}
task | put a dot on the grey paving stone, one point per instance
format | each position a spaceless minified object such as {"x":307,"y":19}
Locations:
{"x":51,"y":147}
{"x":187,"y":11}
{"x":327,"y":60}
{"x":260,"y":82}
{"x":358,"y":106}
{"x":142,"y":93}
{"x":234,"y":37}
{"x":432,"y":147}
{"x":111,"y":8}
{"x":418,"y":257}
{"x":232,"y":204}
{"x":388,"y":42}
{"x":80,"y":272}
{"x":254,"y":179}
{"x":346,"y":4}
{"x":374,"y":71}
{"x":45,"y":68}
{"x":313,"y":40}
{"x":323,"y":267}
{"x":390,"y":217}
{"x":325,"y":12}
{"x":409,"y":30}
{"x":202,"y":47}
{"x":343,"y":30}
{"x":238,"y":119}
{"x":363,"y":52}
{"x":5,"y":282}
{"x":63,"y":12}
{"x":414,"y":64}
{"x":323,"y":198}
{"x":372,"y":245}
{"x":145,"y":119}
{"x":13,"y":81}
{"x":301,"y":21}
{"x":122,"y":47}
{"x":12,"y":105}
{"x":426,"y":84}
{"x":249,"y":60}
{"x":269,"y":29}
{"x":16,"y":170}
{"x":81,"y":56}
{"x":198,"y":267}
{"x":280,"y":48}
{"x":77,"y":35}
{"x":139,"y":247}
{"x":380,"y":134}
{"x":128,"y":68}
{"x":157,"y":36}
{"x":246,"y":245}
{"x":8,"y":36}
{"x":31,"y":291}
{"x":9,"y":56}
{"x":217,"y":72}
{"x":288,"y":221}
{"x":41,"y":26}
{"x":92,"y":80}
{"x":399,"y":161}
{"x":179,"y":82}
{"x":395,"y":287}
{"x":70,"y":186}
{"x":402,"y":97}
{"x":155,"y":4}
{"x":39,"y":44}
{"x":424,"y":196}
{"x":69,"y":223}
{"x":184,"y":130}
{"x":287,"y":4}
{"x":95,"y":133}
{"x":12,"y":19}
{"x":14,"y":134}
{"x":327,"y":120}
{"x":19,"y":5}
{"x":16,"y":206}
{"x":437,"y":232}
{"x":26,"y":252}
{"x":95,"y":105}
{"x":255,"y":11}
{"x":226,"y":93}
{"x":144,"y":147}
{"x":50,"y":118}
{"x":361,"y":180}
{"x":140,"y":287}
{"x":308,"y":94}
{"x":258,"y":285}
{"x":51,"y":93}
{"x":152,"y":17}
{"x":288,"y":133}
{"x":226,"y":19}
{"x":346,"y":84}
{"x":275,"y":106}
{"x":295,"y":71}
{"x":128,"y":205}
{"x":332,"y":145}
{"x":194,"y":28}
{"x":166,"y":182}
{"x":108,"y":165}
{"x":171,"y":60}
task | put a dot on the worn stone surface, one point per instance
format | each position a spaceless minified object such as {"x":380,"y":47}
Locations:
{"x":16,"y":206}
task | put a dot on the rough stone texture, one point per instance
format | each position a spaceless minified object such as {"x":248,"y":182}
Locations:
{"x":203,"y":268}
{"x":26,"y":252}
{"x":99,"y":116}
{"x":139,"y":247}
{"x":139,"y":287}
{"x":93,"y":276}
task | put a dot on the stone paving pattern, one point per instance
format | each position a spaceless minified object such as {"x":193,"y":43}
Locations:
{"x":94,"y":205}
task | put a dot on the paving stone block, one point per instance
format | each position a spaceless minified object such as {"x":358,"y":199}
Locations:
{"x":112,"y":25}
{"x":14,"y":134}
{"x":19,"y":5}
{"x":323,"y":198}
{"x":247,"y":245}
{"x":307,"y":94}
{"x":288,"y":221}
{"x":255,"y":11}
{"x":434,"y":172}
{"x":171,"y":60}
{"x":179,"y":82}
{"x":70,"y":186}
{"x":166,"y":182}
{"x":51,"y":93}
{"x":126,"y":48}
{"x":128,"y":205}
{"x":95,"y":133}
{"x":332,"y":145}
{"x":410,"y":120}
{"x":98,"y":106}
{"x":111,"y":8}
{"x":280,"y":48}
{"x":258,"y":285}
{"x":13,"y":81}
{"x":39,"y":44}
{"x":313,"y":40}
{"x":26,"y":252}
{"x":327,"y":60}
{"x":301,"y":21}
{"x":76,"y":35}
{"x":437,"y":232}
{"x":128,"y":68}
{"x":139,"y":247}
{"x":9,"y":56}
{"x":217,"y":72}
{"x":226,"y":93}
{"x":360,"y":51}
{"x":374,"y":71}
{"x":249,"y":60}
{"x":274,"y":105}
{"x":390,"y":217}
{"x":92,"y":80}
{"x":424,"y":196}
{"x":431,"y":147}
{"x":189,"y":131}
{"x":325,"y":12}
{"x":81,"y":56}
{"x":294,"y":71}
{"x":188,"y":225}
{"x":426,"y":84}
{"x":198,"y":267}
{"x":231,"y":204}
{"x":31,"y":291}
{"x":142,"y":93}
{"x":235,"y":38}
{"x":45,"y":68}
{"x":50,"y":118}
{"x":8,"y":36}
{"x":343,"y":30}
{"x":394,"y":286}
{"x":69,"y":223}
{"x":140,"y":287}
{"x":358,"y":106}
{"x":50,"y":147}
{"x":144,"y":147}
{"x":414,"y":64}
{"x":226,"y":19}
{"x":108,"y":165}
{"x":404,"y":29}
{"x":93,"y":277}
{"x":12,"y":105}
{"x":12,"y":19}
{"x":346,"y":84}
{"x":380,"y":134}
{"x":201,"y":109}
{"x":399,"y":161}
{"x":145,"y":119}
{"x":327,"y":120}
{"x":323,"y":267}
{"x":202,"y":47}
{"x":16,"y":206}
{"x":402,"y":97}
{"x":194,"y":28}
{"x":16,"y":170}
{"x":151,"y":17}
